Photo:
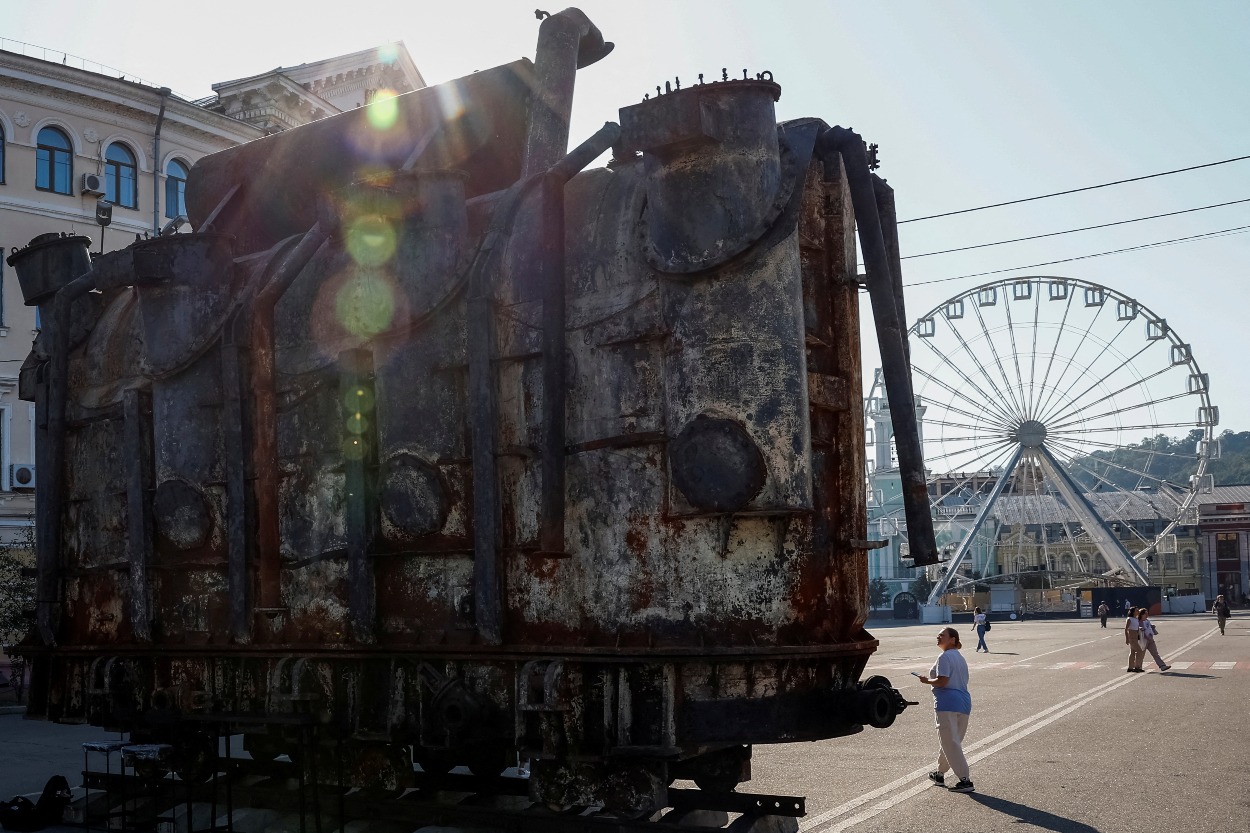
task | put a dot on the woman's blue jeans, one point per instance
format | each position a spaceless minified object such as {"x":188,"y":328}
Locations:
{"x":981,"y":637}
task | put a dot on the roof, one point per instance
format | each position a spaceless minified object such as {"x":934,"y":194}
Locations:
{"x":1111,"y":506}
{"x":1235,"y":493}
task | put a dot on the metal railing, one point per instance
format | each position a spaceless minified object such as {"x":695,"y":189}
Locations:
{"x":57,"y":56}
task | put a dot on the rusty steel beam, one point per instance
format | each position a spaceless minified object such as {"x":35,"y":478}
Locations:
{"x":891,"y":340}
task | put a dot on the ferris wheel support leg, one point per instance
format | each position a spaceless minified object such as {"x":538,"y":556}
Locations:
{"x":1108,"y":542}
{"x":965,"y":546}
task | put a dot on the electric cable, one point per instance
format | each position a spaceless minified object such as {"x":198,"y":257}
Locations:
{"x":1204,"y":236}
{"x":1074,"y":230}
{"x":1073,"y":190}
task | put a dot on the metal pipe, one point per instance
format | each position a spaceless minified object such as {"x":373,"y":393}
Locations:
{"x":484,"y":417}
{"x":567,"y":41}
{"x":555,"y":383}
{"x":551,"y":268}
{"x":891,"y":340}
{"x":51,"y":496}
{"x":265,"y":416}
{"x":156,"y":163}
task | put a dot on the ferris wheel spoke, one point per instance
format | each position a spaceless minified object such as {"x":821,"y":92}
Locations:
{"x":1085,"y":334}
{"x":1119,"y":411}
{"x":945,"y":423}
{"x":1079,"y":455}
{"x":1008,"y":388}
{"x":1054,"y":350}
{"x":998,"y":360}
{"x":1174,"y":454}
{"x":984,"y":463}
{"x":1015,"y":359}
{"x":1003,"y":401}
{"x":946,"y":408}
{"x":1037,"y":311}
{"x":1061,"y":400}
{"x":965,"y":452}
{"x":1001,"y":421}
{"x":987,"y":401}
{"x":1072,"y":401}
{"x":1155,"y":426}
{"x":1141,"y":380}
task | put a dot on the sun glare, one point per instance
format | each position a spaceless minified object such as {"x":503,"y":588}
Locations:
{"x":383,"y":110}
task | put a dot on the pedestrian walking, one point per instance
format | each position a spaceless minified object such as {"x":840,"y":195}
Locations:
{"x":1103,"y":613}
{"x":1148,"y":631}
{"x":1136,"y":648}
{"x":952,"y":704}
{"x":1221,"y":611}
{"x":981,"y":622}
{"x":1128,"y":608}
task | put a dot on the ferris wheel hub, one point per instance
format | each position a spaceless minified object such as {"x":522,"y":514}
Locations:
{"x":1029,"y":434}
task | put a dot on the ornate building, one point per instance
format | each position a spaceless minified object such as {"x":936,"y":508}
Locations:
{"x":72,"y":137}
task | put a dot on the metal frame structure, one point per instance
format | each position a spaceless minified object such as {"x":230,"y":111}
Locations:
{"x":1029,"y":384}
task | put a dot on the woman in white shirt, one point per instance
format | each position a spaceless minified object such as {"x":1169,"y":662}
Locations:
{"x":978,"y":621}
{"x":1132,"y":630}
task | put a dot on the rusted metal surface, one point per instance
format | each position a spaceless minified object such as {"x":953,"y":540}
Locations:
{"x":517,"y":458}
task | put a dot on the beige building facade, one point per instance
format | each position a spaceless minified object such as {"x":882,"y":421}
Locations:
{"x":71,"y":138}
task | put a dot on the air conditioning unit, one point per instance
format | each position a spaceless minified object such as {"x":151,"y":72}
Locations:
{"x":92,"y":184}
{"x":21,"y":476}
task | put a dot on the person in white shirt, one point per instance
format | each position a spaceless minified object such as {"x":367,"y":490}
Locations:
{"x":1148,"y":639}
{"x":1132,"y":630}
{"x":952,"y":704}
{"x":978,"y":621}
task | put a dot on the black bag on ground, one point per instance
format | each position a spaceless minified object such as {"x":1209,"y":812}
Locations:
{"x":20,"y":815}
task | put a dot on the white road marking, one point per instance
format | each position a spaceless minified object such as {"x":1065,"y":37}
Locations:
{"x":1181,"y":666}
{"x":1222,"y":666}
{"x":995,"y":742}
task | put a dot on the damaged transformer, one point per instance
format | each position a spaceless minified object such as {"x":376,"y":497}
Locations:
{"x":434,"y":436}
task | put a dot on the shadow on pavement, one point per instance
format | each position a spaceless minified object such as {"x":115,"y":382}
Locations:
{"x":1187,"y":674}
{"x":1032,"y":815}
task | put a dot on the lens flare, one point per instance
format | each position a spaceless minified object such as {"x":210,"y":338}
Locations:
{"x":358,"y":400}
{"x":365,"y":305}
{"x":370,"y":240}
{"x":383,"y":110}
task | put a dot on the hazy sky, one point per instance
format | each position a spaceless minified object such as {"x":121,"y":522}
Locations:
{"x":971,"y":103}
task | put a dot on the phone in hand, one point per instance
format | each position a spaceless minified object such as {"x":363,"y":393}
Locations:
{"x":916,"y":674}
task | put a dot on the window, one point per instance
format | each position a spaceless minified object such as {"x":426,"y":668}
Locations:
{"x":175,"y":189}
{"x":1169,"y":562}
{"x":1189,"y":559}
{"x":1,"y":154}
{"x":120,"y":176}
{"x":54,"y":162}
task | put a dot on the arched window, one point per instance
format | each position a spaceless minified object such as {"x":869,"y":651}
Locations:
{"x":175,"y":189}
{"x":54,"y":162}
{"x":121,"y":176}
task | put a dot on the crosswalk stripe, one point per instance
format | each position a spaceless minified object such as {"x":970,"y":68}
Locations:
{"x":1222,"y":666}
{"x":1182,"y":666}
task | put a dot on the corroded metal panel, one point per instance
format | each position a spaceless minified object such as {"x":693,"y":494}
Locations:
{"x":515,"y":458}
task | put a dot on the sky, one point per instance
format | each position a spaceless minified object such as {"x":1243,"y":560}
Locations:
{"x":972,"y":102}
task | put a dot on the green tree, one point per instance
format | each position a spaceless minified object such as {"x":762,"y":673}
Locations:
{"x":922,"y":586}
{"x":17,"y":592}
{"x":878,"y":593}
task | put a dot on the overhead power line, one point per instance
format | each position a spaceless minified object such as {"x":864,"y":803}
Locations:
{"x":1074,"y":190}
{"x":1205,"y":236}
{"x":1074,"y":230}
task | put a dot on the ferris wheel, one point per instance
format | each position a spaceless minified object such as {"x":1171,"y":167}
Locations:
{"x":1063,"y":408}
